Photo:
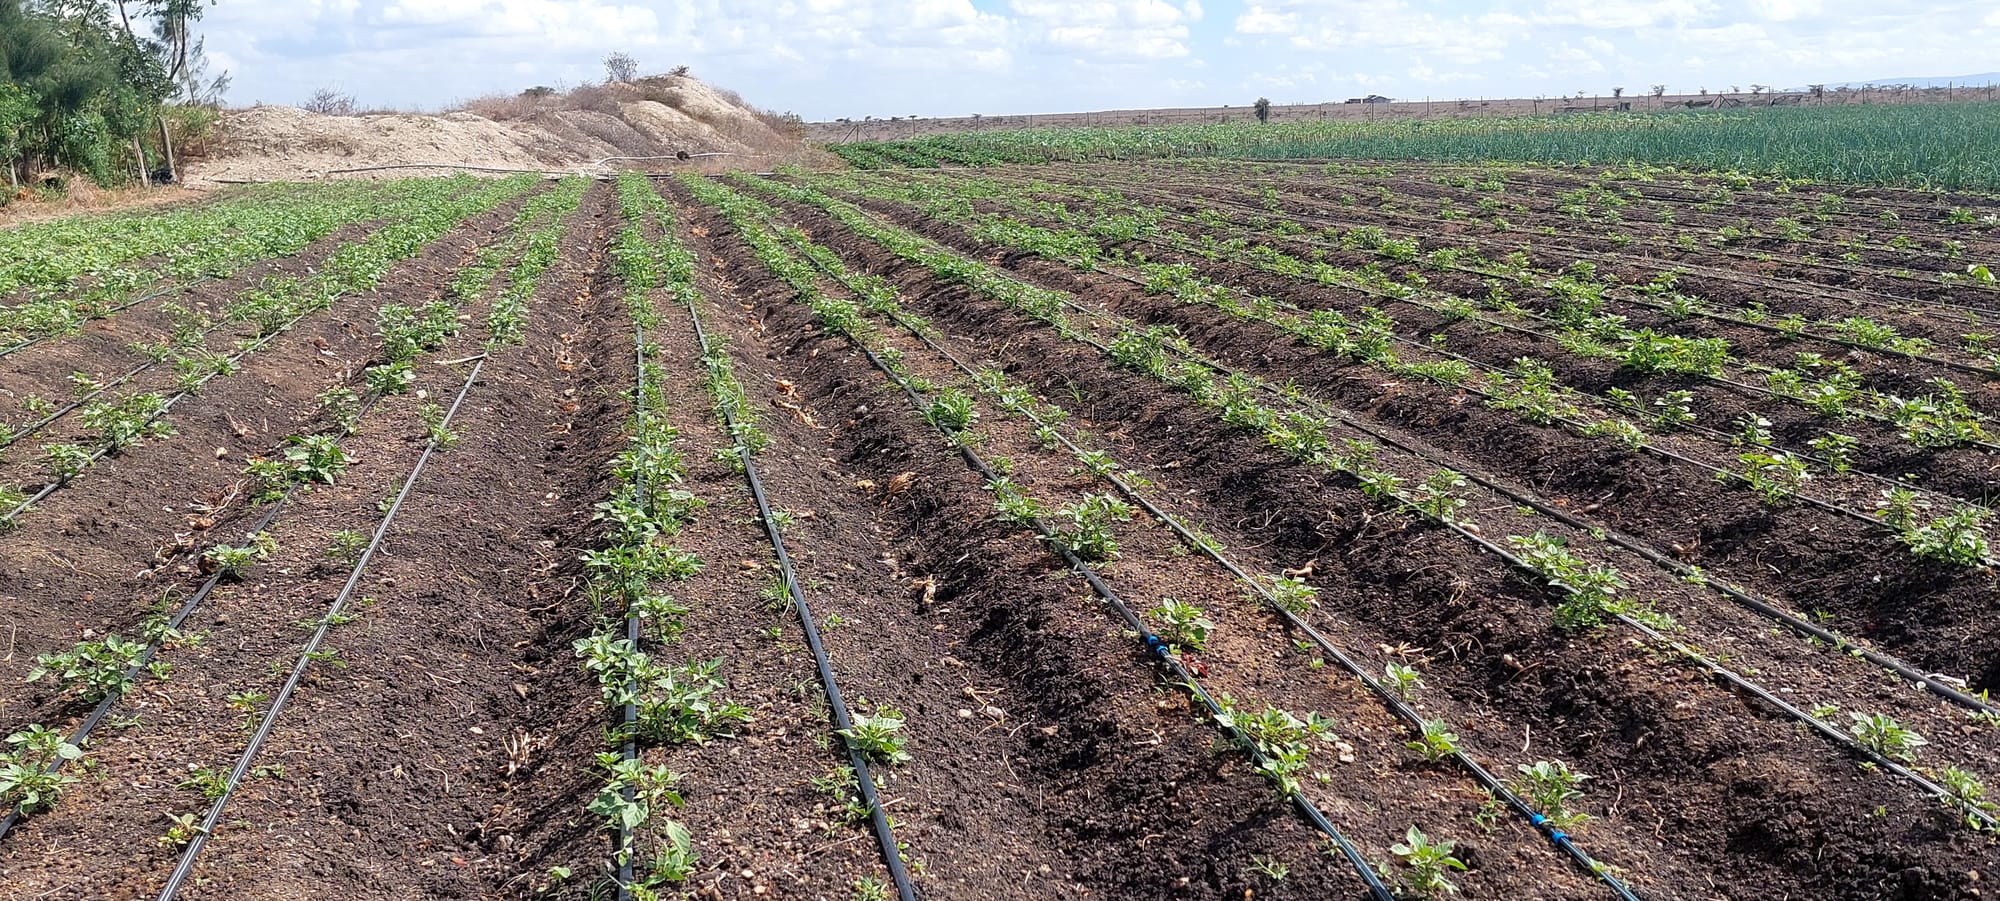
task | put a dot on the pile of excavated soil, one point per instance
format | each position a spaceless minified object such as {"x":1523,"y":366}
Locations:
{"x":659,"y":117}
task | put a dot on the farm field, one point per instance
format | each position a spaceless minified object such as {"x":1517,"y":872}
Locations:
{"x":1150,"y":528}
{"x":1927,"y":146}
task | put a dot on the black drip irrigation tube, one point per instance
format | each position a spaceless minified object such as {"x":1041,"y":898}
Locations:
{"x":68,"y":408}
{"x":879,"y":818}
{"x":109,"y":447}
{"x":185,"y":866}
{"x":173,"y":624}
{"x":1559,"y":839}
{"x":1832,"y":734}
{"x":628,"y":715}
{"x":1159,"y":650}
{"x":161,"y":413}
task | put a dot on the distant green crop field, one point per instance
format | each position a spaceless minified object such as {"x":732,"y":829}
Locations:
{"x":1949,"y":145}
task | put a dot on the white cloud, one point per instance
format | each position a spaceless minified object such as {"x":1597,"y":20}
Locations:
{"x":1392,"y":25}
{"x":558,"y":23}
{"x":1263,"y":20}
{"x":1786,"y":10}
{"x":1107,"y":30}
{"x":1622,"y":13}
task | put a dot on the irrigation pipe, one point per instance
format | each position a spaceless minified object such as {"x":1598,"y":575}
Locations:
{"x":431,"y":166}
{"x":678,"y":155}
{"x":599,"y":164}
{"x":1755,"y":690}
{"x":842,"y":720}
{"x":185,"y":865}
{"x":1560,"y":840}
{"x":628,"y":715}
{"x":68,"y":408}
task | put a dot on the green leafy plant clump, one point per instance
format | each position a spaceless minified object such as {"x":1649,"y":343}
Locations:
{"x":1426,"y":866}
{"x":26,"y":763}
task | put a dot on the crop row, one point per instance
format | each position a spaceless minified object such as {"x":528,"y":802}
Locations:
{"x":655,"y":702}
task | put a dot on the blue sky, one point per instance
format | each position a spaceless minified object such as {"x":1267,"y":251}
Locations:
{"x":832,"y":58}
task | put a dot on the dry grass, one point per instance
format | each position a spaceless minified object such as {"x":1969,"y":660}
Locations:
{"x":84,"y":197}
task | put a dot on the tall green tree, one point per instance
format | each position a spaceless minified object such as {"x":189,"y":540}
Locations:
{"x":76,"y":89}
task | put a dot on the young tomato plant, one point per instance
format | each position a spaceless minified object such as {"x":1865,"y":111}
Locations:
{"x":1182,"y":624}
{"x":1553,"y":788}
{"x":880,"y":735}
{"x":1426,"y":863}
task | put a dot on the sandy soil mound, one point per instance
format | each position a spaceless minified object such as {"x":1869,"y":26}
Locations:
{"x":658,"y":116}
